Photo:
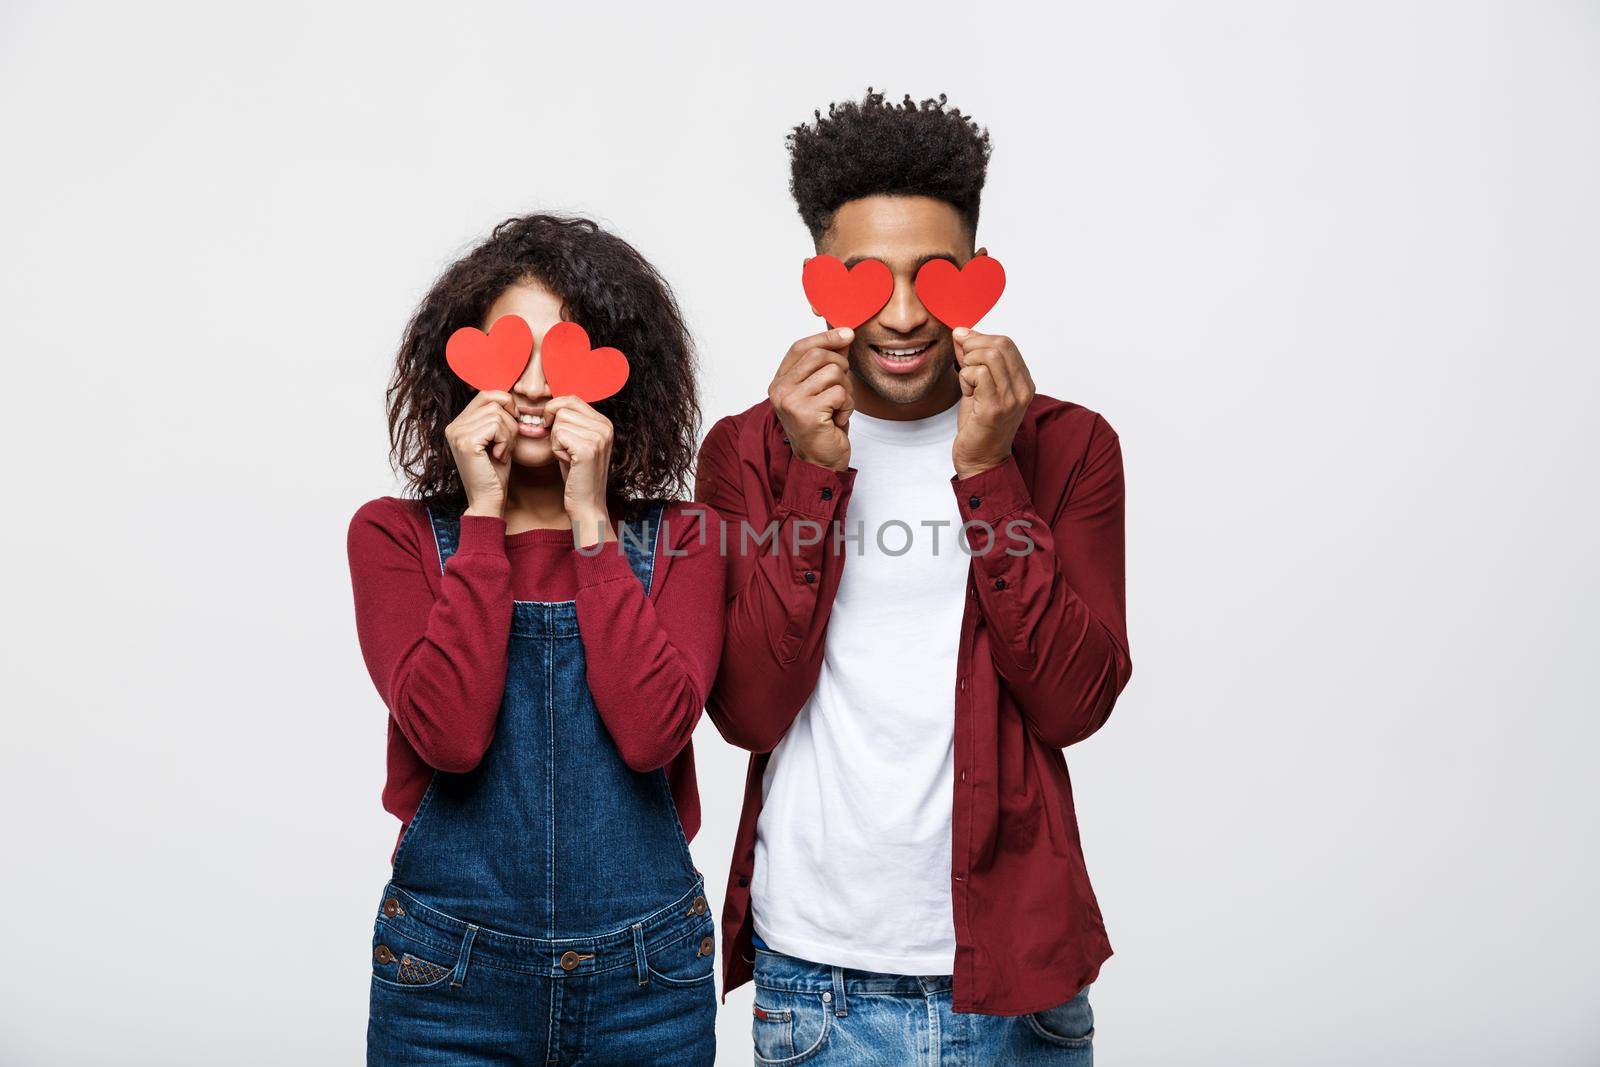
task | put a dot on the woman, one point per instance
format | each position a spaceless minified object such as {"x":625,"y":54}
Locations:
{"x":544,"y":628}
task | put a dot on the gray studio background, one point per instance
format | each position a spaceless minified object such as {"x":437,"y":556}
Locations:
{"x":1330,"y":270}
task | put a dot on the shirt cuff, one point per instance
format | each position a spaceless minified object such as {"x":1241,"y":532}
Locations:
{"x":482,"y":535}
{"x":813,"y":491}
{"x":608,"y":564}
{"x":988,"y":501}
{"x":992,"y":495}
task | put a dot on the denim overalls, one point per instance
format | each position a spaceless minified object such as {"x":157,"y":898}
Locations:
{"x":543,"y":907}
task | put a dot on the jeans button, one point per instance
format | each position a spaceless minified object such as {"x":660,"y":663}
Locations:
{"x":698,"y":907}
{"x":383,"y":954}
{"x":391,"y":907}
{"x":707,"y":946}
{"x":569,"y":960}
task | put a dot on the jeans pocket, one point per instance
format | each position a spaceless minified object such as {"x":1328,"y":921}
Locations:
{"x":788,"y":1027}
{"x":1068,"y":1025}
{"x":401,"y":960}
{"x":689,"y":961}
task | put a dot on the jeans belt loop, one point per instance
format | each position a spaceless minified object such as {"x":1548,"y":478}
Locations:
{"x":639,"y":960}
{"x":460,"y":974}
{"x":840,"y":1009}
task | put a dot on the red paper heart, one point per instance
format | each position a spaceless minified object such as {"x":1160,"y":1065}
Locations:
{"x":846,"y":296}
{"x":960,"y":297}
{"x":492,"y":360}
{"x":572,"y":367}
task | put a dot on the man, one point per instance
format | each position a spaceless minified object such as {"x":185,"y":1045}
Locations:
{"x":907,"y":882}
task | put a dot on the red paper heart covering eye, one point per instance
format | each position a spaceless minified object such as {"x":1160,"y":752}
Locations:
{"x":493,"y":360}
{"x":573,"y":368}
{"x":960,"y":297}
{"x":846,"y":296}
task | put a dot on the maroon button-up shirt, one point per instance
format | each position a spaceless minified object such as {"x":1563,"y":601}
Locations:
{"x":1043,"y":655}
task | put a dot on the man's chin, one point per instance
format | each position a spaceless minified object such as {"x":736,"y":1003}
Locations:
{"x":901,"y":389}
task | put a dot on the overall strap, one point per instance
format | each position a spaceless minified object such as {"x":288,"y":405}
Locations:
{"x":638,"y":539}
{"x":446,"y":535}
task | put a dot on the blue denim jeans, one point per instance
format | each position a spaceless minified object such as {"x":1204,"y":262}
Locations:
{"x":447,"y":994}
{"x":838,"y":1017}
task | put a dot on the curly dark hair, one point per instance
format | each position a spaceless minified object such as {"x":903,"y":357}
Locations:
{"x":605,"y":286}
{"x":875,"y":147}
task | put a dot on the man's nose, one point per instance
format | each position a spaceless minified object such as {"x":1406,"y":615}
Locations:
{"x":903,"y":313}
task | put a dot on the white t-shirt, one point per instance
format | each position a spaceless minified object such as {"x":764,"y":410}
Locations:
{"x":852,"y":863}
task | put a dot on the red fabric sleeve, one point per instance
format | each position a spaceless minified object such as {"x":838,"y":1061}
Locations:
{"x":783,"y":565}
{"x":439,"y":664}
{"x":1057,"y":612}
{"x":651,"y":659}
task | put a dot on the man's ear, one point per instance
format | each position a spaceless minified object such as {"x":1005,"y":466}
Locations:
{"x":982,"y":251}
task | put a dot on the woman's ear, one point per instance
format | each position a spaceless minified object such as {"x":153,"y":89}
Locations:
{"x":982,"y":251}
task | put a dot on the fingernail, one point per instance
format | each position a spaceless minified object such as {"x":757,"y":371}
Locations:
{"x":962,"y":332}
{"x":845,"y":333}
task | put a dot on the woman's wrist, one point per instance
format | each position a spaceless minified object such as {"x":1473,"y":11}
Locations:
{"x":590,"y":526}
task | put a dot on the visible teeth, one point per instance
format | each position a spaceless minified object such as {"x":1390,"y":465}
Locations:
{"x":901,"y":353}
{"x":531,"y":420}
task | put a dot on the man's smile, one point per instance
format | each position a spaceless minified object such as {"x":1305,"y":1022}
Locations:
{"x":902,"y":358}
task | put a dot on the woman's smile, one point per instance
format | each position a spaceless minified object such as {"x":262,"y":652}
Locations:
{"x":530,"y":423}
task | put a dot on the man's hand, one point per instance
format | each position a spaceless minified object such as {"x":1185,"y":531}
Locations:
{"x":811,"y":394}
{"x":996,"y":389}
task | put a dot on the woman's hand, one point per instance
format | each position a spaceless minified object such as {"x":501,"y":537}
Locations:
{"x":581,"y":438}
{"x":480,"y":439}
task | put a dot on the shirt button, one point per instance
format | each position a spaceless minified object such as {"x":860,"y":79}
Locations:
{"x":999,"y":583}
{"x":827,"y":492}
{"x":569,"y":960}
{"x":973,"y":501}
{"x":809,"y":576}
{"x":963,"y":776}
{"x":743,"y":881}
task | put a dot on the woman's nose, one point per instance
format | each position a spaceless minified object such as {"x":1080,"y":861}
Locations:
{"x":532,"y":384}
